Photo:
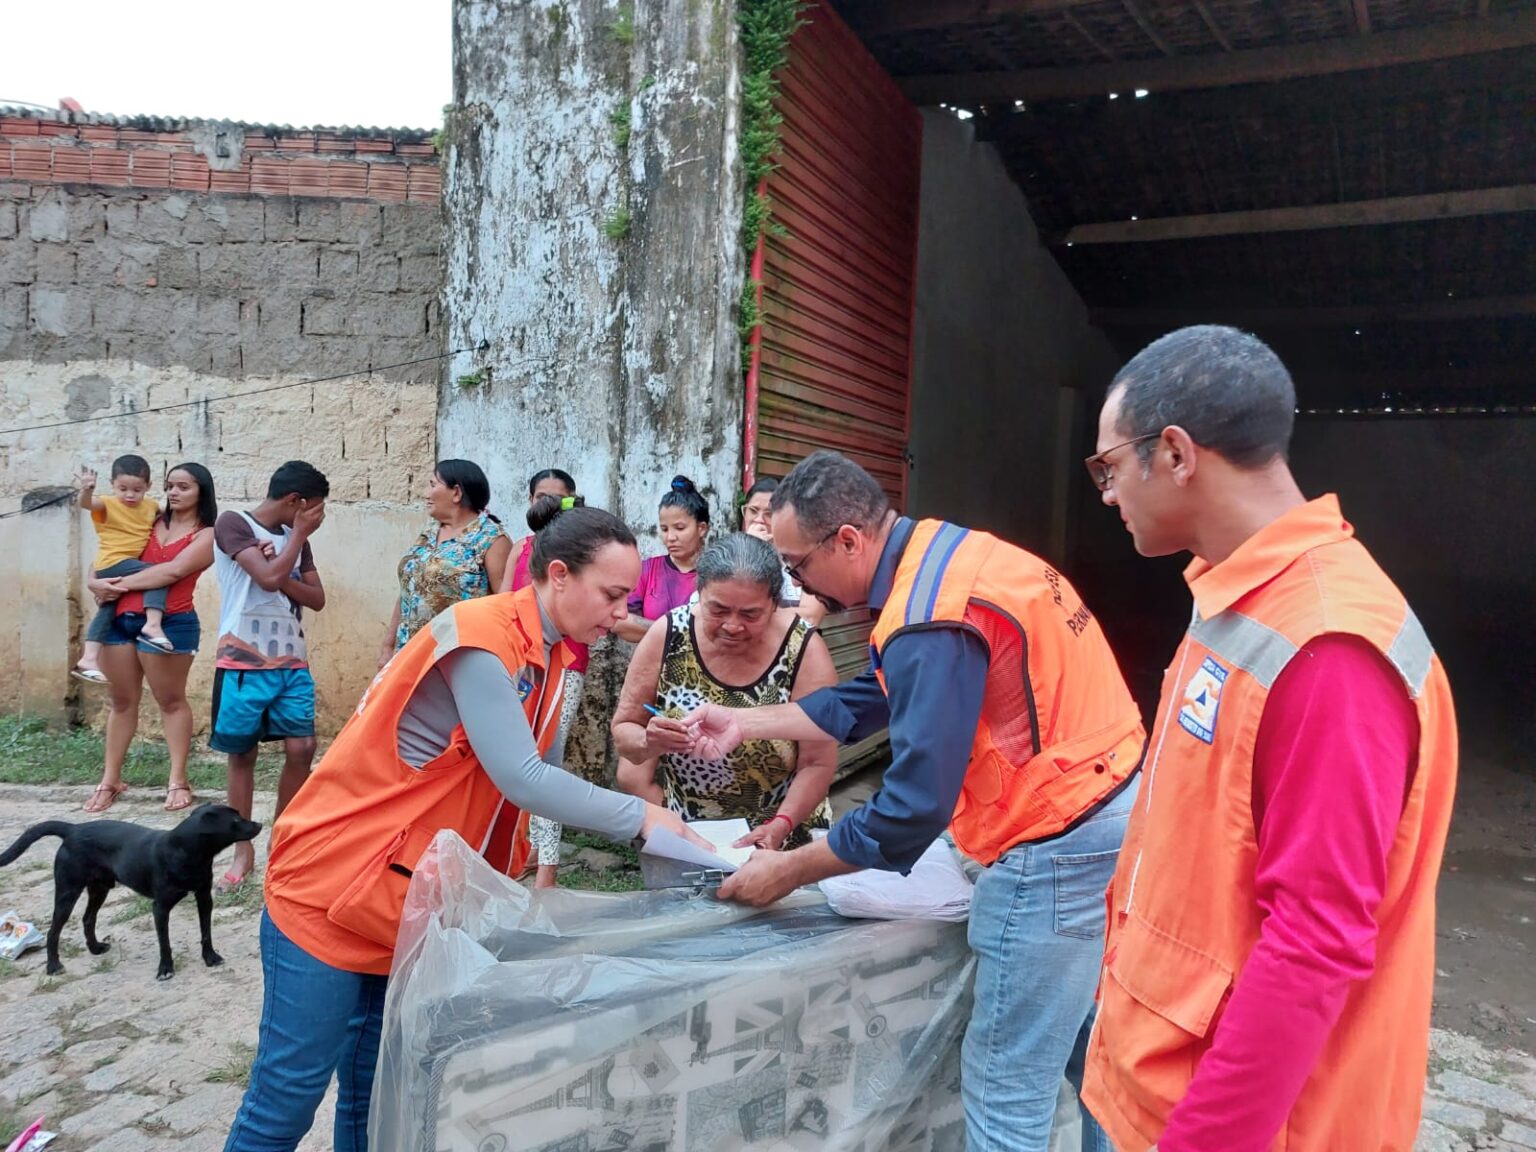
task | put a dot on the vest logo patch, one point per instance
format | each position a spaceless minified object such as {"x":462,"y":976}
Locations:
{"x":1202,"y":699}
{"x":524,"y":687}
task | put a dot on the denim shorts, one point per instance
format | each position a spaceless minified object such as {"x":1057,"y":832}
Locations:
{"x":181,"y":629}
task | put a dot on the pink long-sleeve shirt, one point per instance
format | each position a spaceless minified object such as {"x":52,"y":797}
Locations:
{"x":1332,"y":765}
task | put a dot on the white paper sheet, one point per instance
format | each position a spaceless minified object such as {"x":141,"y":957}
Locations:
{"x":721,"y":833}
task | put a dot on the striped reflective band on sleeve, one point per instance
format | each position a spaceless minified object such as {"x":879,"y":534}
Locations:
{"x":1242,"y":642}
{"x":1411,"y":654}
{"x":930,"y":574}
{"x":445,"y":630}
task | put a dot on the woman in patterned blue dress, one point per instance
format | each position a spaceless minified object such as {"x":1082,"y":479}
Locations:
{"x":460,"y":556}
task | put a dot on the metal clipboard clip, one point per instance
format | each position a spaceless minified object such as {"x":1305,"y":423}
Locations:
{"x":706,"y":878}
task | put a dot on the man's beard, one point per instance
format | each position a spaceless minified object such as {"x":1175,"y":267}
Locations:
{"x":831,"y":605}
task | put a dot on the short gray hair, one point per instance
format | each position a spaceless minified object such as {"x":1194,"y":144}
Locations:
{"x":1227,"y":389}
{"x":828,"y":490}
{"x":742,"y":557}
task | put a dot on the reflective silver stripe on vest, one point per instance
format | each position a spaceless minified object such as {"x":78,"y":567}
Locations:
{"x":1411,"y":654}
{"x":1263,"y":653}
{"x":445,"y":630}
{"x":925,"y":587}
{"x":1243,"y":642}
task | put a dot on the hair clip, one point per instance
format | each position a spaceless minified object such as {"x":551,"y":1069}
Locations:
{"x":681,"y":485}
{"x":567,"y":503}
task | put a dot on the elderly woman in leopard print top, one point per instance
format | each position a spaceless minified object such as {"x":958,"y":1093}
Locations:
{"x":735,"y":647}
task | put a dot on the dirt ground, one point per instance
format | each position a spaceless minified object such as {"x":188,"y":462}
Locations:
{"x":119,"y":1061}
{"x":1486,"y":956}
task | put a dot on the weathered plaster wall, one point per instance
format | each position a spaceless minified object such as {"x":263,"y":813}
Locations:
{"x":602,"y":273}
{"x":612,"y":356}
{"x":117,"y":301}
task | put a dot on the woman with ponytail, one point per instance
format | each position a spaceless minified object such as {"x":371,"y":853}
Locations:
{"x":455,"y":733}
{"x":545,"y":503}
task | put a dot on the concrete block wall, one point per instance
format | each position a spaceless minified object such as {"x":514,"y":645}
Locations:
{"x":132,"y":282}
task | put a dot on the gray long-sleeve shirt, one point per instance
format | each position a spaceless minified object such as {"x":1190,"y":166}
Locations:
{"x":472,"y":687}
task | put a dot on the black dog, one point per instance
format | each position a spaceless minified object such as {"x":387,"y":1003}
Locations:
{"x":164,"y":866}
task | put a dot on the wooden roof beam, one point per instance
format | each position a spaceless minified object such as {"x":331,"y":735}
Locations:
{"x":1146,"y":27}
{"x":1098,"y":46}
{"x":1344,"y":94}
{"x":1483,"y":377}
{"x":896,"y":17}
{"x":1211,"y":25}
{"x":1358,"y":13}
{"x":1253,"y":66}
{"x":1476,"y":308}
{"x":1310,"y":218}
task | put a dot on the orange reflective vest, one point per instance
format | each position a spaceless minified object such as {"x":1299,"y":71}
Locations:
{"x":1182,"y":912}
{"x":1058,"y":729}
{"x":343,"y":852}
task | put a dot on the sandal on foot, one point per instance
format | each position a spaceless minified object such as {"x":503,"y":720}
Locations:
{"x":96,"y":805}
{"x":89,"y":675}
{"x":161,"y":642}
{"x":186,"y":803}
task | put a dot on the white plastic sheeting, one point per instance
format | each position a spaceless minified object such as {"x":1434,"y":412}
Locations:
{"x":662,"y":1020}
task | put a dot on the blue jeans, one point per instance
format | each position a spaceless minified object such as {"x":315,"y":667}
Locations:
{"x":315,"y":1021}
{"x":1037,"y":928}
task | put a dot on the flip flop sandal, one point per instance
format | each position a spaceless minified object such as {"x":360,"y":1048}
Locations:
{"x":112,"y":794}
{"x":161,"y":642}
{"x":172,"y":790}
{"x":89,"y":675}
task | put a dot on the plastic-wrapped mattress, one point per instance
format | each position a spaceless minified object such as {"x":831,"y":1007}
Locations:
{"x":588,"y":1022}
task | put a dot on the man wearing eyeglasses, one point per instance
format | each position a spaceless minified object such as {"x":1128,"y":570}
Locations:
{"x":1009,"y":723}
{"x":1270,"y":957}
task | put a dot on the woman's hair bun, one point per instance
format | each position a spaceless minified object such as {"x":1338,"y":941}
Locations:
{"x":682,"y":484}
{"x":547,"y":507}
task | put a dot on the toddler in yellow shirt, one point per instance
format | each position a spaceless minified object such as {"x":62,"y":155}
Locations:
{"x":123,"y":522}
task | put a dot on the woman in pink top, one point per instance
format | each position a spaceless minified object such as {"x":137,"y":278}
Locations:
{"x":667,"y":582}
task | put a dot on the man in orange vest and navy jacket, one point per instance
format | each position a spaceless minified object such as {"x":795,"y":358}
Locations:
{"x":1270,"y":957}
{"x":1010,"y":723}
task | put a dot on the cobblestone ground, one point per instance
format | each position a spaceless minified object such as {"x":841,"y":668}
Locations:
{"x":122,"y":1063}
{"x":1478,"y":1097}
{"x":116,"y":1060}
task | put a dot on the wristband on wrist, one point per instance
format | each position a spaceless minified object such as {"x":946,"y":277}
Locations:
{"x":780,"y":816}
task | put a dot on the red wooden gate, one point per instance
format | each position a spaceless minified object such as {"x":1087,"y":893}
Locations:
{"x":835,"y":364}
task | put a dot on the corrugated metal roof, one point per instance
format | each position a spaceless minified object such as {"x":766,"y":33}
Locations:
{"x":146,"y":123}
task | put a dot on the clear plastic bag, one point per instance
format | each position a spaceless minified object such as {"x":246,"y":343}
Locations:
{"x":17,"y":936}
{"x":659,"y":1020}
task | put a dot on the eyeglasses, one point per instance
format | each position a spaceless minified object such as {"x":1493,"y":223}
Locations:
{"x":1098,"y":467}
{"x":794,"y":569}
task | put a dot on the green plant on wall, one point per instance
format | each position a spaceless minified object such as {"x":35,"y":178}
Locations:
{"x":766,"y":27}
{"x":616,"y":226}
{"x":623,"y":27}
{"x":620,"y":119}
{"x":440,"y":137}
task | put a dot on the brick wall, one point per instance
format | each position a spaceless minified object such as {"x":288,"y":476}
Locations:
{"x":148,"y":263}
